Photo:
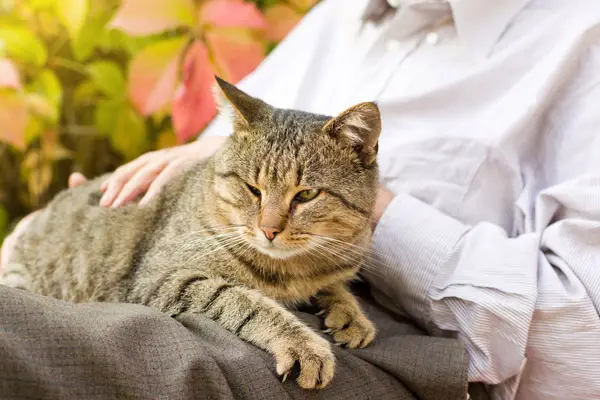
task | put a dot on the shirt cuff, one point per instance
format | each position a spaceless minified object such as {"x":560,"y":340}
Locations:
{"x":413,"y":240}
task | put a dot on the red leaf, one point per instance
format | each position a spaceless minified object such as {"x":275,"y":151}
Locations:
{"x":146,"y":17}
{"x":194,"y":106}
{"x":281,"y":19}
{"x":153,"y":75}
{"x":9,"y":75}
{"x":232,"y":13}
{"x":236,"y":53}
{"x":14,"y":117}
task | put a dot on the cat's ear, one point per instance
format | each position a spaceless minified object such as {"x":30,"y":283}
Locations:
{"x":244,"y":109}
{"x":359,"y":127}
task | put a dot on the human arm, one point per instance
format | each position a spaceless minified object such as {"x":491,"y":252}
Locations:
{"x":483,"y":283}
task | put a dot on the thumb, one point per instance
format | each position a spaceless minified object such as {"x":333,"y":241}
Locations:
{"x":76,"y":179}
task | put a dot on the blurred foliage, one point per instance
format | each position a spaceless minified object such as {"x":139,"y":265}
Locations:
{"x":86,"y":85}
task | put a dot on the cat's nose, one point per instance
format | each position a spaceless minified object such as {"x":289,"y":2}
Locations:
{"x":269,"y":232}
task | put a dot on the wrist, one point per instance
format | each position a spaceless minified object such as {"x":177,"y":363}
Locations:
{"x":384,"y":198}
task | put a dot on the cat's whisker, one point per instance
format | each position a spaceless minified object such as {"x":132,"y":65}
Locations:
{"x":323,"y":250}
{"x":190,"y":244}
{"x":342,"y":254}
{"x":363,"y":254}
{"x":366,"y":263}
{"x":365,"y":249}
{"x":216,"y":229}
{"x":220,"y":245}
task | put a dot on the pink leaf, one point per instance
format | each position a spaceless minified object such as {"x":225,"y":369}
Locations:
{"x":236,"y":53}
{"x":9,"y":75}
{"x":153,"y":75}
{"x":281,"y":19}
{"x":232,"y":13}
{"x":146,"y":17}
{"x":194,"y":106}
{"x":14,"y":117}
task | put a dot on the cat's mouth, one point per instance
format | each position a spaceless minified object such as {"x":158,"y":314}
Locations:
{"x":279,"y":253}
{"x":275,"y":249}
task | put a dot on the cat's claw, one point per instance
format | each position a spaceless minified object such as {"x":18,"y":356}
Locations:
{"x":285,"y":377}
{"x":320,"y":313}
{"x":312,"y":353}
{"x":349,"y":327}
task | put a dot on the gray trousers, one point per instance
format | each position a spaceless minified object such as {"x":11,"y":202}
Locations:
{"x":51,"y":349}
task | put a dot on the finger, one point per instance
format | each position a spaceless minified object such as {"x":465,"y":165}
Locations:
{"x":24,"y":223}
{"x":126,"y":171}
{"x":9,"y":242}
{"x":139,"y":183}
{"x":76,"y":179}
{"x":161,"y":180}
{"x":114,"y":184}
{"x":6,"y":250}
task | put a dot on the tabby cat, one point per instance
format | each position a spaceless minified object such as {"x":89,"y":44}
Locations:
{"x":280,"y":215}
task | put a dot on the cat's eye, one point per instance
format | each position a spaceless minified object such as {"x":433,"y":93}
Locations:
{"x":253,"y":190}
{"x":306,"y":195}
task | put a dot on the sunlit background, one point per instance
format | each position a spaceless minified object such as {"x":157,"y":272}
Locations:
{"x":86,"y":85}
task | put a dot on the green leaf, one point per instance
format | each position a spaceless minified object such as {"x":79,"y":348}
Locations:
{"x":41,"y":4}
{"x":47,"y":84}
{"x":105,"y":115}
{"x":72,"y":13}
{"x":3,"y":223}
{"x":21,"y":44}
{"x":85,"y":93}
{"x":166,"y":139}
{"x":33,"y":130}
{"x":42,"y":107}
{"x":129,"y":135}
{"x":89,"y":37}
{"x":107,"y":76}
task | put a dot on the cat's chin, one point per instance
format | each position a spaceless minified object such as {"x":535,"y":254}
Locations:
{"x":277,"y":253}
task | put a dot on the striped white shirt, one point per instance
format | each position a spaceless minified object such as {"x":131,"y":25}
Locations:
{"x":491,"y":144}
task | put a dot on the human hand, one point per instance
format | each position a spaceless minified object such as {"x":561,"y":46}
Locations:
{"x":151,"y":171}
{"x":8,"y":245}
{"x":384,"y":198}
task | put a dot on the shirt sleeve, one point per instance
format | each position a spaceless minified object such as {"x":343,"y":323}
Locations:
{"x":473,"y":280}
{"x":508,"y":293}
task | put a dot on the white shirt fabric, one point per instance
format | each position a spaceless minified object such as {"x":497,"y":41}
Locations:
{"x":491,"y":145}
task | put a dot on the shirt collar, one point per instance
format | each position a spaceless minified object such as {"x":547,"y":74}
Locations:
{"x":479,"y":23}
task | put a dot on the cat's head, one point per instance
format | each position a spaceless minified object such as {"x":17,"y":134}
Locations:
{"x":293,"y":181}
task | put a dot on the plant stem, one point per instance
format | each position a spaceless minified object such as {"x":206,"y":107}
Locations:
{"x":70,"y":65}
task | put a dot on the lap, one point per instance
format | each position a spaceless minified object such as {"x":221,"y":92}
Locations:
{"x":55,"y":350}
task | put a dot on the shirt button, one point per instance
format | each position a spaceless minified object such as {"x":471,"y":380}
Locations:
{"x":393,"y":46}
{"x":432,"y":38}
{"x":394,"y":3}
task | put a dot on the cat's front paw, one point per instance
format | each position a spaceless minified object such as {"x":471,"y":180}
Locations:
{"x":348,"y":326}
{"x":314,"y":355}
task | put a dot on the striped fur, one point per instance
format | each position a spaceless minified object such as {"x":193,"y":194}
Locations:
{"x":198,"y":246}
